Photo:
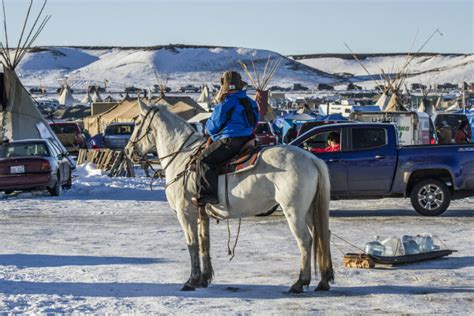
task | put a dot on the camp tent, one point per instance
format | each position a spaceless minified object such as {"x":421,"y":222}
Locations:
{"x":96,"y":97}
{"x":205,"y":99}
{"x":125,"y":111}
{"x":65,"y":97}
{"x":87,"y":99}
{"x":19,"y":116}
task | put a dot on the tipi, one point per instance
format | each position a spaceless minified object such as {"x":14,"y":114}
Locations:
{"x":65,"y":97}
{"x":96,"y":97}
{"x":205,"y":99}
{"x":19,"y":116}
{"x":87,"y":99}
{"x":260,"y":82}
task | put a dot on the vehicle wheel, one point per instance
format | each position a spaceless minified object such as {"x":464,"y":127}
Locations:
{"x":57,"y":189}
{"x":68,"y":183}
{"x":430,"y":197}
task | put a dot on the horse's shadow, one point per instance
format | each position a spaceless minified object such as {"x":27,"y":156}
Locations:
{"x":267,"y":292}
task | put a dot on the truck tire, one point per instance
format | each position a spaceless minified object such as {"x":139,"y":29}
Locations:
{"x":430,"y":197}
{"x":68,"y":183}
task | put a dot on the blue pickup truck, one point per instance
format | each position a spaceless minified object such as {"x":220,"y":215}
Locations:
{"x":368,"y":163}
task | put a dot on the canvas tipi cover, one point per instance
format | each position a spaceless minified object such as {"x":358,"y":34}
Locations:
{"x":87,"y":99}
{"x":66,"y":98}
{"x":19,"y":116}
{"x":96,"y":97}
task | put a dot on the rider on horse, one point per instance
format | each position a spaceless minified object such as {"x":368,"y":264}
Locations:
{"x":230,"y":127}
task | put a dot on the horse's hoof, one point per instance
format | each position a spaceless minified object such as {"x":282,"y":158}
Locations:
{"x":204,"y":283}
{"x":187,"y":288}
{"x":322,"y":286}
{"x":295,"y":290}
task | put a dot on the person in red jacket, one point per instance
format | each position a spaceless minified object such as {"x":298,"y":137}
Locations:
{"x":333,"y":144}
{"x":463,"y":133}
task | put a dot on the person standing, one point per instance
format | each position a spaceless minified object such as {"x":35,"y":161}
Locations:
{"x":291,"y":134}
{"x":230,"y":127}
{"x":445,"y":133}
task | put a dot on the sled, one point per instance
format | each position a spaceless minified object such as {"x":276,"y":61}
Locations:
{"x":395,"y":260}
{"x":362,"y":260}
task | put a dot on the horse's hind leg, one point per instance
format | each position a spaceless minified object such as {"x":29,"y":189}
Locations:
{"x":204,"y":247}
{"x":189,"y":225}
{"x":299,"y":227}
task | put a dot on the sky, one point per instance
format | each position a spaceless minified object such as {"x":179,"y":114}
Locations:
{"x":286,"y":26}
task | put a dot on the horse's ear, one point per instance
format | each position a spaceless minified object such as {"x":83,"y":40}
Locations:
{"x":143,"y":107}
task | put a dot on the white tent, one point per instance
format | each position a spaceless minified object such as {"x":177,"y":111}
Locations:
{"x":87,"y":99}
{"x":96,"y":97}
{"x":205,"y":99}
{"x":19,"y":116}
{"x":66,"y":98}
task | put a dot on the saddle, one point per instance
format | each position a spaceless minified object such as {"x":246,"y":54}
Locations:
{"x":245,"y":160}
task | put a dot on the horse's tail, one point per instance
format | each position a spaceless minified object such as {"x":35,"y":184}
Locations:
{"x":321,"y":232}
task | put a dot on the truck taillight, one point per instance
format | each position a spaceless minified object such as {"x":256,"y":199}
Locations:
{"x":45,"y":166}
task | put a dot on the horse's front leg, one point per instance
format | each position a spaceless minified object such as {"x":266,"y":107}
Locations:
{"x":204,"y":247}
{"x":188,"y":221}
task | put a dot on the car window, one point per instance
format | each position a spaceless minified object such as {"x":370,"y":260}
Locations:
{"x":367,"y":138}
{"x":22,"y":150}
{"x":119,"y":130}
{"x":318,"y":142}
{"x":263,"y":128}
{"x":64,"y":128}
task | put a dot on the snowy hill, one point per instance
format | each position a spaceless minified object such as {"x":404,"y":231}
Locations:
{"x":425,"y":68}
{"x":135,"y":66}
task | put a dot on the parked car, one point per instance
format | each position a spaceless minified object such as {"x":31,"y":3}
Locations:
{"x":370,"y":163}
{"x":117,"y":135}
{"x":190,"y":88}
{"x":35,"y":164}
{"x":70,"y":135}
{"x":265,"y":135}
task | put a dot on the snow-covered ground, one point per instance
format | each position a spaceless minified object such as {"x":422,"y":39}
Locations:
{"x":136,"y":67}
{"x":112,"y":245}
{"x":124,"y":67}
{"x":427,"y":70}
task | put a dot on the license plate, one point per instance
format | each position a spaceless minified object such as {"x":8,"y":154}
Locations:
{"x":17,"y":169}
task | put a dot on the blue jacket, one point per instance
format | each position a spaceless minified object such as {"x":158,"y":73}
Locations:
{"x":238,"y":125}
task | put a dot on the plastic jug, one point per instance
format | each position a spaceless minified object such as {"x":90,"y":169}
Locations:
{"x":425,"y":242}
{"x":393,"y":247}
{"x":410,"y":245}
{"x":374,"y":248}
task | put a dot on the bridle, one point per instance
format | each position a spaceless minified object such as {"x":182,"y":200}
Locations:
{"x":138,"y":137}
{"x":173,"y":155}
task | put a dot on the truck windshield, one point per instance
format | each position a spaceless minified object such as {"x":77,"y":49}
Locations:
{"x":119,"y":130}
{"x":22,"y":150}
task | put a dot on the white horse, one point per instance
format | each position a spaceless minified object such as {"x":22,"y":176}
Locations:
{"x":287,"y":176}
